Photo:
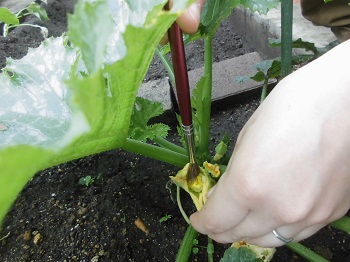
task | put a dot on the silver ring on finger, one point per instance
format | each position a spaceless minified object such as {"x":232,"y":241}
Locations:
{"x":282,"y":238}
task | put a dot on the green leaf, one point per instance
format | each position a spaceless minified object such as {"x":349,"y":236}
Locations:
{"x":267,"y":69}
{"x":214,"y":11}
{"x":275,"y":69}
{"x":144,"y":110}
{"x":50,"y":113}
{"x":86,"y":181}
{"x":264,"y":66}
{"x":180,"y":132}
{"x":241,"y":254}
{"x":38,"y":11}
{"x":299,"y":43}
{"x":259,"y":77}
{"x":210,"y":248}
{"x":8,"y":17}
{"x":299,"y":59}
{"x":34,"y":99}
{"x":260,"y":6}
{"x":88,"y":31}
{"x":165,"y":218}
{"x":198,"y":101}
{"x":242,"y":79}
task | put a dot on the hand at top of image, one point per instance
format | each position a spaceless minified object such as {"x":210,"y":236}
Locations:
{"x":189,"y":20}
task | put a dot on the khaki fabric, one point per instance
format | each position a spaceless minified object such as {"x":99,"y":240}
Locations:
{"x":335,"y":14}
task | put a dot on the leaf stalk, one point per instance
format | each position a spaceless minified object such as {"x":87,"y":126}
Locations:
{"x":155,"y":152}
{"x":186,"y":244}
{"x":206,"y":97}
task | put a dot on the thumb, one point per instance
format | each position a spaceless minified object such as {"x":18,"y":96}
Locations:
{"x":190,"y":19}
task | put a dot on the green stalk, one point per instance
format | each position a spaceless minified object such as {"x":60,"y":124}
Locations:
{"x":167,"y":64}
{"x":264,"y":89}
{"x":286,"y":35}
{"x":155,"y":152}
{"x":206,"y":98}
{"x":178,"y":200}
{"x":306,"y":253}
{"x":210,"y":250}
{"x":186,"y":245}
{"x":168,"y":145}
{"x":342,"y":224}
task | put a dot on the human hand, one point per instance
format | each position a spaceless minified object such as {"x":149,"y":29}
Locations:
{"x":190,"y":19}
{"x":290,"y":169}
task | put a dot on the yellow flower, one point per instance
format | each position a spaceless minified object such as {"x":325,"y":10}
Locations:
{"x":198,"y":189}
{"x":214,"y":170}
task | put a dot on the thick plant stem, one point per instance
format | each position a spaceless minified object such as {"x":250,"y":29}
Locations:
{"x":286,"y":35}
{"x":206,"y":97}
{"x":306,"y":253}
{"x":155,"y":152}
{"x":186,"y":245}
{"x":168,"y":145}
{"x":342,"y":224}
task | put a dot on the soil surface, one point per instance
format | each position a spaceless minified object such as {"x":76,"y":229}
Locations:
{"x":55,"y":218}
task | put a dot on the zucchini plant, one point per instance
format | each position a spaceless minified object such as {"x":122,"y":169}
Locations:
{"x":75,"y":95}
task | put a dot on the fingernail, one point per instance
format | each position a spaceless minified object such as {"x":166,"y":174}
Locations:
{"x":194,"y":12}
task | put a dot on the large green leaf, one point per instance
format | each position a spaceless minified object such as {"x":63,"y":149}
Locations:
{"x":260,"y":6}
{"x":87,"y":21}
{"x":8,"y":17}
{"x":214,"y":11}
{"x":52,"y":111}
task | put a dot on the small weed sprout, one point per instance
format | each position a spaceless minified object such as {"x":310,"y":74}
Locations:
{"x":165,"y":218}
{"x":86,"y":181}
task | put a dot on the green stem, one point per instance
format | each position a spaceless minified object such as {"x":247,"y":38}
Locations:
{"x":22,"y":15}
{"x":286,"y":35}
{"x":186,"y":245}
{"x":168,"y":145}
{"x":306,"y":253}
{"x":264,"y":89}
{"x":167,"y":64}
{"x":155,"y":152}
{"x":178,"y":200}
{"x":342,"y":224}
{"x":7,"y":28}
{"x":210,"y":250}
{"x":206,"y":98}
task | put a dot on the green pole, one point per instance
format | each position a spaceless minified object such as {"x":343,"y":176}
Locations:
{"x":286,"y":37}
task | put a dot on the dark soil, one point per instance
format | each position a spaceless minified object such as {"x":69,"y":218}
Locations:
{"x":57,"y":219}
